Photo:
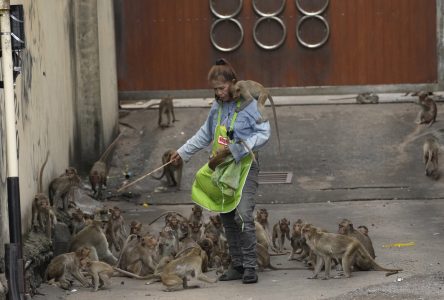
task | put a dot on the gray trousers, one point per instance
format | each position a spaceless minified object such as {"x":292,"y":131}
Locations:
{"x":239,"y":224}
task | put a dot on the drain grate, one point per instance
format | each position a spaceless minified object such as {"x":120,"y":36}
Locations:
{"x":275,"y":177}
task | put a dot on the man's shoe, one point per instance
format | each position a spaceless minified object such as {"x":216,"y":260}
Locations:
{"x":233,"y":273}
{"x":250,"y":276}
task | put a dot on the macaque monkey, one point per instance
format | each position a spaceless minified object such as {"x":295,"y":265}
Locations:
{"x":327,"y":246}
{"x":67,"y":264}
{"x":263,"y":238}
{"x":262,"y":218}
{"x":136,"y":227}
{"x":141,"y":257}
{"x":249,"y":90}
{"x":298,"y":243}
{"x":428,"y":111}
{"x":175,"y":272}
{"x":43,"y":217}
{"x":60,"y":186}
{"x":196,"y":214}
{"x":172,"y":172}
{"x":77,"y":221}
{"x":363,"y":229}
{"x":215,"y":227}
{"x":430,"y":157}
{"x":345,"y":227}
{"x":93,"y":236}
{"x":168,"y":242}
{"x":166,"y":107}
{"x":281,"y":230}
{"x":195,"y":230}
{"x":115,"y":230}
{"x":99,"y":171}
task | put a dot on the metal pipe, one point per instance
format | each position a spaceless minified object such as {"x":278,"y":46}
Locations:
{"x":14,"y":250}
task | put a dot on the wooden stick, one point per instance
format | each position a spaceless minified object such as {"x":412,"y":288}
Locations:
{"x":140,"y":178}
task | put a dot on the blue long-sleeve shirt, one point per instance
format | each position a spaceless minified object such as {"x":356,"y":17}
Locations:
{"x":245,"y":128}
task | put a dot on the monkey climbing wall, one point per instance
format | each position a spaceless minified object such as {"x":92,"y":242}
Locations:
{"x":170,"y":45}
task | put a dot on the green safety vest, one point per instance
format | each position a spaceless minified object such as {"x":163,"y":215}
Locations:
{"x":205,"y":192}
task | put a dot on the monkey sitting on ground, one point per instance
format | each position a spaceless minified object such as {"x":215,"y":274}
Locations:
{"x":115,"y":229}
{"x":172,"y":172}
{"x":281,"y":230}
{"x":175,"y":272}
{"x":67,"y":263}
{"x":345,"y":227}
{"x":136,"y":227}
{"x":430,"y":157}
{"x":262,"y":218}
{"x":166,"y":107}
{"x":43,"y":217}
{"x":327,"y":246}
{"x":141,"y":258}
{"x":427,"y":114}
{"x":298,"y":243}
{"x":196,"y":214}
{"x":249,"y":90}
{"x":363,"y":229}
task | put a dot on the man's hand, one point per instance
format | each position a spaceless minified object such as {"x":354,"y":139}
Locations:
{"x":175,"y":157}
{"x":219,"y":158}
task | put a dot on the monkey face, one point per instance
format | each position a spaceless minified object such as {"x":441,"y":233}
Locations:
{"x":363,"y":229}
{"x":345,"y":227}
{"x":216,"y":221}
{"x":284,"y":225}
{"x":148,"y":241}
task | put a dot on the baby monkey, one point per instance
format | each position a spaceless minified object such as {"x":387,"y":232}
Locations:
{"x":249,"y":90}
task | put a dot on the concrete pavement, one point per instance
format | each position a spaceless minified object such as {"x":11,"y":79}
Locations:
{"x":362,"y":162}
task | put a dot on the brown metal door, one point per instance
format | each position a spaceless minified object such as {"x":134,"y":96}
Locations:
{"x":165,"y":44}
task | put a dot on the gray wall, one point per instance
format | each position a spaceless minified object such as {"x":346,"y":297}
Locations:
{"x":66,"y":95}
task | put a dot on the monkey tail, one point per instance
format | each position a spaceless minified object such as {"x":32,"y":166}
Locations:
{"x":289,"y":268}
{"x":275,"y":122}
{"x":109,"y":148}
{"x":161,"y":175}
{"x":164,"y":214}
{"x":375,"y":265}
{"x":130,"y":237}
{"x":41,"y":173}
{"x":132,"y":275}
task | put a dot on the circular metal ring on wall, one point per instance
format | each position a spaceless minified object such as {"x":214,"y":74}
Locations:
{"x":312,"y":13}
{"x":223,"y":49}
{"x":213,"y":10}
{"x":316,"y":45}
{"x":269,"y":47}
{"x":264,"y":14}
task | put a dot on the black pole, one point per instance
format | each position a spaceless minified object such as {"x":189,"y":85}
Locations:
{"x":13,"y":251}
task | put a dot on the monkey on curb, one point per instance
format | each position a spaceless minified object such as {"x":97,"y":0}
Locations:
{"x":430,"y":157}
{"x":172,"y":172}
{"x":249,"y":90}
{"x":362,"y":98}
{"x":327,"y":246}
{"x":99,"y":171}
{"x":67,"y":264}
{"x":166,"y":107}
{"x":427,"y":114}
